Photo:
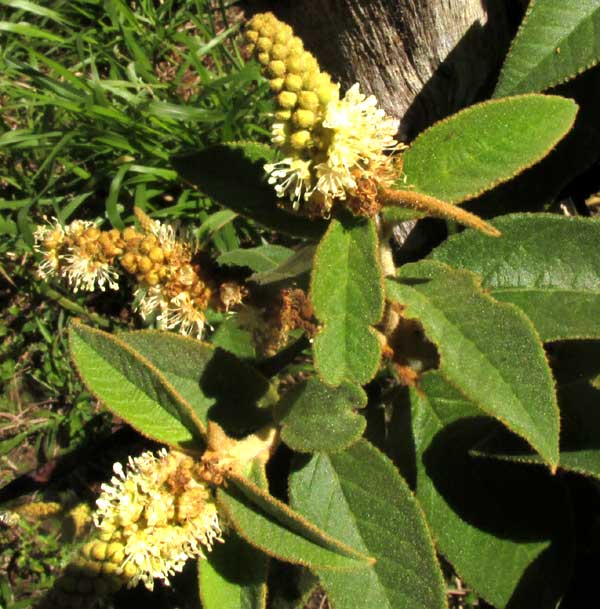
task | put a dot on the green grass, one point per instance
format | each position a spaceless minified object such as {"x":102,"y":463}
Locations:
{"x":96,"y":97}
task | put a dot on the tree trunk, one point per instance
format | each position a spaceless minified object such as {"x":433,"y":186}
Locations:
{"x":422,"y":59}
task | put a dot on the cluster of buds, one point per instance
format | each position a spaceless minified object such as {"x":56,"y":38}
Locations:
{"x":80,"y":254}
{"x":170,"y":289}
{"x":155,"y":514}
{"x":303,"y":90}
{"x":334,"y":147}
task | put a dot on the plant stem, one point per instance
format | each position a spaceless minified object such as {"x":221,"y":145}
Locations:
{"x":69,"y":305}
{"x":435,"y":207}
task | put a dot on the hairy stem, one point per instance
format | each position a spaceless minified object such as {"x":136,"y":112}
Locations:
{"x":435,"y":207}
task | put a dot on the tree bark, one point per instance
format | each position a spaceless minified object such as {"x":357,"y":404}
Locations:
{"x":422,"y":59}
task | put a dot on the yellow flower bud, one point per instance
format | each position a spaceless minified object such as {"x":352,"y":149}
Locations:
{"x":129,"y":234}
{"x":98,"y":551}
{"x":144,"y":264}
{"x":276,"y":68}
{"x":276,"y":84}
{"x":295,"y":64}
{"x":263,"y":58}
{"x":293,"y":82}
{"x":304,"y":119}
{"x":284,"y":33}
{"x":279,"y":51}
{"x":251,"y":35}
{"x":300,"y":139}
{"x":287,"y":99}
{"x":156,"y":254}
{"x":308,"y":100}
{"x":264,"y":44}
{"x":283,"y":115}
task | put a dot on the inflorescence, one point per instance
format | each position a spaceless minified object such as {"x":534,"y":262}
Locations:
{"x":155,"y":515}
{"x":334,"y":147}
{"x":171,"y":287}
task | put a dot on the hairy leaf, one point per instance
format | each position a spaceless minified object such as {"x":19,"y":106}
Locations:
{"x":233,"y":576}
{"x":358,"y":496}
{"x":556,"y":41}
{"x":347,"y":295}
{"x":488,"y":350}
{"x":316,"y":417}
{"x":274,"y":528}
{"x":478,"y":148}
{"x":129,"y":385}
{"x":547,"y":265}
{"x":233,"y":174}
{"x":506,"y":529}
{"x":202,"y":377}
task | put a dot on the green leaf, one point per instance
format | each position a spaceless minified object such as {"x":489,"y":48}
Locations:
{"x":556,"y":41}
{"x":233,"y":576}
{"x":29,"y":31}
{"x":580,"y":430}
{"x":202,"y":377}
{"x":316,"y":417}
{"x":488,"y":350}
{"x":359,"y":497}
{"x":296,"y":266}
{"x":505,"y":528}
{"x":233,"y":174}
{"x":263,"y":258}
{"x":486,"y":144}
{"x":347,"y":295}
{"x":232,"y":338}
{"x":130,"y":386}
{"x":271,"y":526}
{"x":559,"y":291}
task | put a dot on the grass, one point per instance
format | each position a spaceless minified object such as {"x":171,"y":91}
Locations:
{"x":95,"y":98}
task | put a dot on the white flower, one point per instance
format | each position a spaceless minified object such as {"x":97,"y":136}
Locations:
{"x":161,"y":513}
{"x":85,"y":273}
{"x":48,"y":241}
{"x":182,"y":313}
{"x":290,"y":177}
{"x":360,"y":134}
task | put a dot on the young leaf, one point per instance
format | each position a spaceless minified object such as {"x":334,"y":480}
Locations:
{"x":559,"y":291}
{"x":202,"y":377}
{"x":556,"y":41}
{"x":506,"y":529}
{"x":232,"y":338}
{"x":488,"y":350}
{"x":130,"y":386}
{"x":316,"y":417}
{"x":233,"y":576}
{"x":486,"y":144}
{"x":270,"y":525}
{"x":358,"y":496}
{"x":347,"y":295}
{"x":233,"y":174}
{"x":263,"y":258}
